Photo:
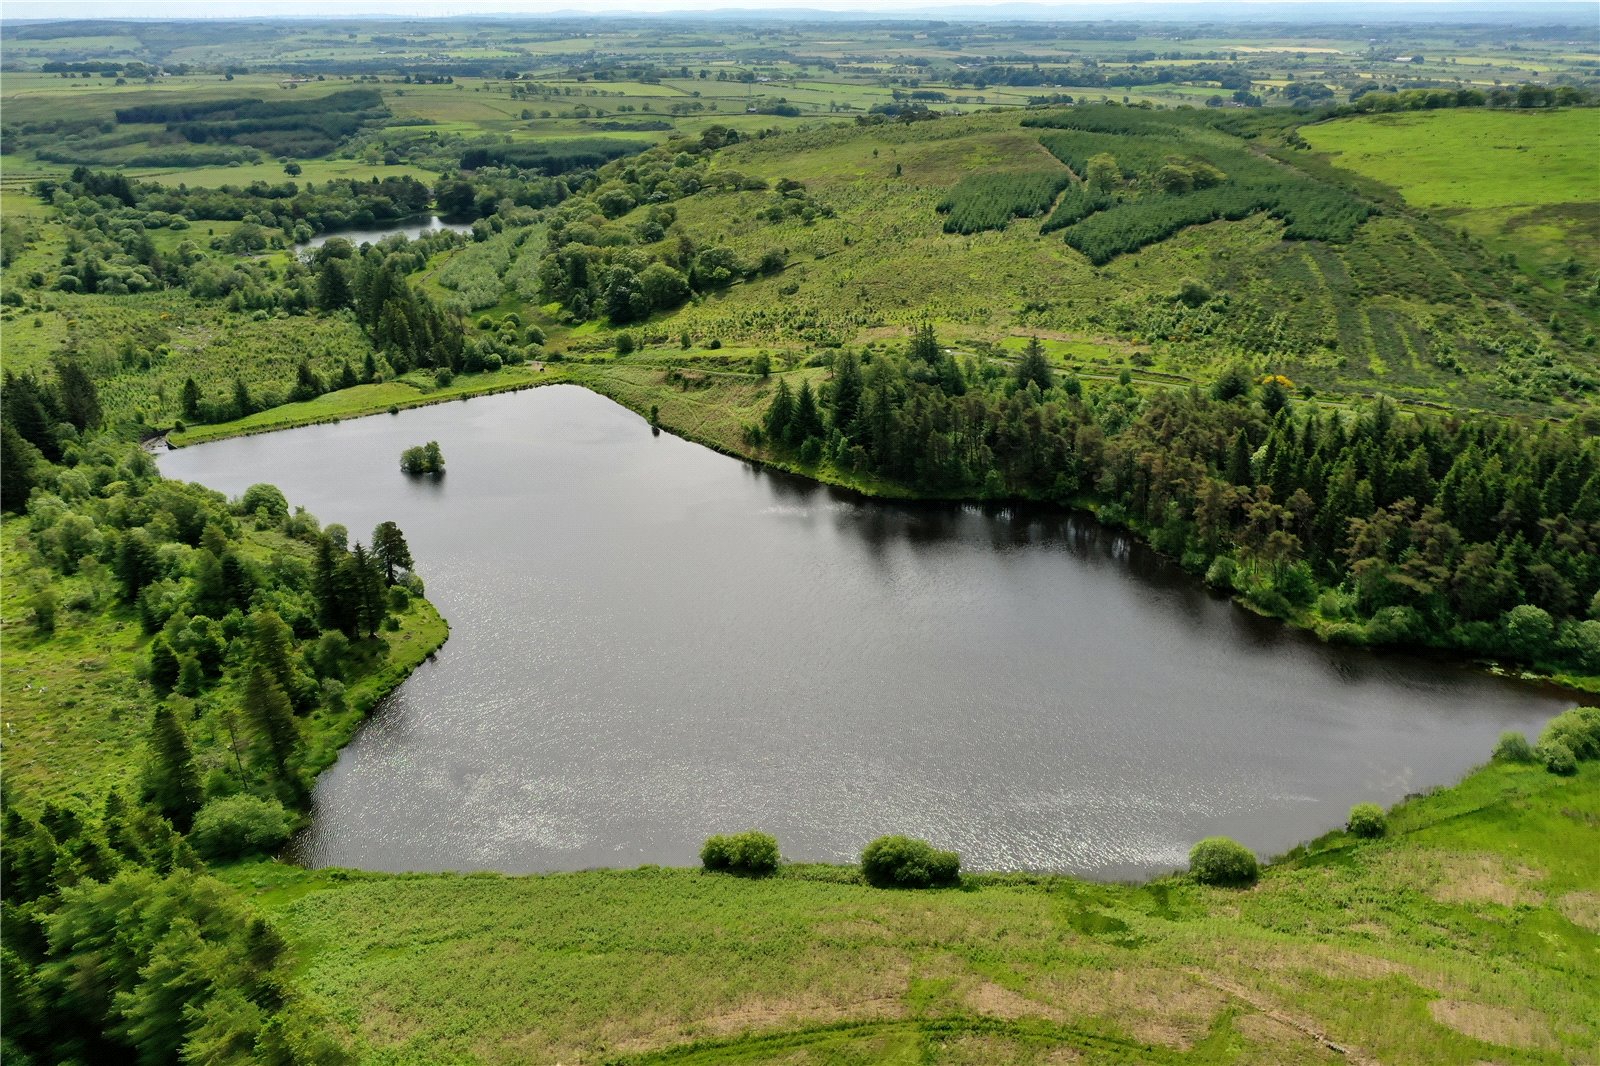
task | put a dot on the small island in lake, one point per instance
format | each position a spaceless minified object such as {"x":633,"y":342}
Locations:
{"x":423,"y":459}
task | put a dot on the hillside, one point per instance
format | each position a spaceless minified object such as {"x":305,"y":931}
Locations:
{"x":842,"y":240}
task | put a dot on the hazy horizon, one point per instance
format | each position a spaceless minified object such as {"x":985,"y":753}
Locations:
{"x":134,"y":10}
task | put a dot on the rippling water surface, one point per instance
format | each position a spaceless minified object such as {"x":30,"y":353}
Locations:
{"x":652,"y":642}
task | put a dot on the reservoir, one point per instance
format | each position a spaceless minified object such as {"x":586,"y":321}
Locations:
{"x":652,"y":642}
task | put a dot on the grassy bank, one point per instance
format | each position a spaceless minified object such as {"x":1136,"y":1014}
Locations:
{"x":1379,"y":948}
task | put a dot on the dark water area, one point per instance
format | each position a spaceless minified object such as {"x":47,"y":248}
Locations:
{"x":413,"y":228}
{"x":652,"y":642}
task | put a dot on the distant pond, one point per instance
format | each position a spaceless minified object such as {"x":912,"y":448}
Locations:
{"x":652,"y":642}
{"x":420,"y":226}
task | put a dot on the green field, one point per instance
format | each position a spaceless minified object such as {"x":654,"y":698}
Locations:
{"x":1528,"y":184}
{"x":1377,"y":948}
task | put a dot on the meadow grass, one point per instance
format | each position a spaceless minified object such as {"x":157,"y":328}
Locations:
{"x":1374,"y":947}
{"x":1526,"y":181}
{"x":412,"y":390}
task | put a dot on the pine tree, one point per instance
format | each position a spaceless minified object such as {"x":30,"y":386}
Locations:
{"x":18,"y":465}
{"x":272,"y":646}
{"x":847,"y":385}
{"x":924,"y":346}
{"x":268,"y":708}
{"x":164,"y":666}
{"x":367,"y":581}
{"x":243,"y":403}
{"x":780,"y":413}
{"x":390,"y":549}
{"x":171,"y":781}
{"x":807,"y":422}
{"x":308,"y":385}
{"x":1033,"y":367}
{"x":80,"y":400}
{"x":1239,"y":460}
{"x":333,"y":287}
{"x":191,"y":400}
{"x":30,"y":409}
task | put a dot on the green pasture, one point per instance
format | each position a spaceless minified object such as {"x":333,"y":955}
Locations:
{"x":1527,"y":182}
{"x":1376,"y":948}
{"x":312,"y":171}
{"x":1472,"y":158}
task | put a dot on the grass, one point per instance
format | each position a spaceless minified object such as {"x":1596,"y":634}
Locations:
{"x":412,"y":390}
{"x":1377,"y":948}
{"x":1525,"y":182}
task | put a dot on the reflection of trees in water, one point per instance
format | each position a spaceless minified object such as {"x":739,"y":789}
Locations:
{"x":881,"y":525}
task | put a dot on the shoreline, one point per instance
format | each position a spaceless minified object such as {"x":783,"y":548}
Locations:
{"x":593,"y":378}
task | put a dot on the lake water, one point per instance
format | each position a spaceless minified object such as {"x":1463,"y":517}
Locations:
{"x":412,"y":228}
{"x":652,"y":642}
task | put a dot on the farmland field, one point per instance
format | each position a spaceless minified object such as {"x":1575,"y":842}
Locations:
{"x":1528,"y":186}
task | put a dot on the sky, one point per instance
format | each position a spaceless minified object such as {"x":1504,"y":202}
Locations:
{"x":34,"y":9}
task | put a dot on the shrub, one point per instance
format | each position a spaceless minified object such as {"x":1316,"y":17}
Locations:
{"x":1529,"y":632}
{"x":1367,"y":820}
{"x":903,"y":862}
{"x":237,"y":826}
{"x":1220,"y":861}
{"x":752,"y":853}
{"x":1513,"y":747}
{"x":1220,"y":573}
{"x":1578,"y":729}
{"x":266,"y":498}
{"x":1557,"y":757}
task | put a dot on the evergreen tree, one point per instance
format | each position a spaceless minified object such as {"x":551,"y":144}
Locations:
{"x":191,"y":400}
{"x":30,"y":409}
{"x":171,"y":782}
{"x":243,"y":403}
{"x":1239,"y":460}
{"x":847,"y":386}
{"x":366,"y":581}
{"x":80,"y":400}
{"x":308,"y":385}
{"x":390,"y":549}
{"x":780,"y":413}
{"x":18,"y":469}
{"x":135,"y":563}
{"x":272,"y":647}
{"x":1033,"y":367}
{"x":268,"y":708}
{"x":807,"y":421}
{"x":924,"y":346}
{"x":333,"y":287}
{"x":164,"y":666}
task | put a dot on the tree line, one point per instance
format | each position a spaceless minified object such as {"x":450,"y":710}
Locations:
{"x":1467,"y":533}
